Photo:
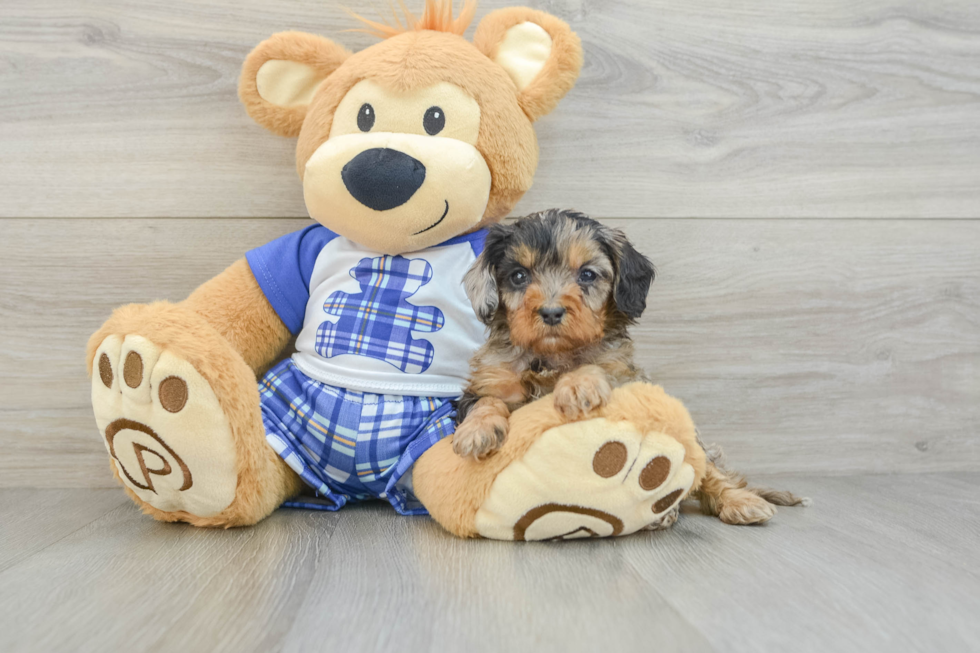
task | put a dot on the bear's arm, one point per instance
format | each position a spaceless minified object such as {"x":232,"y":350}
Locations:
{"x":234,"y":304}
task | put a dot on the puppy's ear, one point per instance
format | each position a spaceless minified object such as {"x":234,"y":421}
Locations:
{"x":281,"y":75}
{"x":479,"y":281}
{"x":634,"y":274}
{"x":481,"y":288}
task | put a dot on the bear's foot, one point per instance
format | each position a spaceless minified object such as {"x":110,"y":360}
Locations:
{"x":169,"y":440}
{"x":593,"y":478}
{"x":178,"y":409}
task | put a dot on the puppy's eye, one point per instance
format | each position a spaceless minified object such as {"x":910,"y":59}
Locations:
{"x":587,"y":276}
{"x":518,"y":277}
{"x":365,"y":117}
{"x":433,"y":120}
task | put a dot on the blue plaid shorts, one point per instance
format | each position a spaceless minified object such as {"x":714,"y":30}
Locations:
{"x":348,"y":445}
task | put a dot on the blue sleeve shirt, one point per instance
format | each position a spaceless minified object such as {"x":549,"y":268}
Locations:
{"x":283,"y":269}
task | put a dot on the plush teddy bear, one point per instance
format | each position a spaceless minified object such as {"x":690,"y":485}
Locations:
{"x":407,"y":150}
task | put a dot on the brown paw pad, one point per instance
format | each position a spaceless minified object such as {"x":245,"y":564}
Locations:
{"x":132,"y":369}
{"x":610,"y":459}
{"x":105,"y":370}
{"x":655,"y":473}
{"x":173,"y":394}
{"x":667,"y":501}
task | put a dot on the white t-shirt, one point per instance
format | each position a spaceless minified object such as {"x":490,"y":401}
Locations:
{"x":374,"y":322}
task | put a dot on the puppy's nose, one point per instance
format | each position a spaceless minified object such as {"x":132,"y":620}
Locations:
{"x":382,"y":178}
{"x":552,"y":315}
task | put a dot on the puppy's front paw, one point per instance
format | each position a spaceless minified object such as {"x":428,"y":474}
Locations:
{"x":580,"y":392}
{"x":480,"y":434}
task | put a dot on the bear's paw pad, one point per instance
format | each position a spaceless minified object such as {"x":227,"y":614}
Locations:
{"x":593,"y":478}
{"x":167,"y":436}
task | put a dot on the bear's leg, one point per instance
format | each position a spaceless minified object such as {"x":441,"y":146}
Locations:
{"x":624,"y":468}
{"x":179,"y":412}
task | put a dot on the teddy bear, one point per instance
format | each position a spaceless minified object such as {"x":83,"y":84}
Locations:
{"x":407,"y":151}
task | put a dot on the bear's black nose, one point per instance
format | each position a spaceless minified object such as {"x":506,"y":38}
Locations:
{"x":382,"y":178}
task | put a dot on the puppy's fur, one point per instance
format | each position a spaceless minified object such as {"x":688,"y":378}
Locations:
{"x":559,"y":292}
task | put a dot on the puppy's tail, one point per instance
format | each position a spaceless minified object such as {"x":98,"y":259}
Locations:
{"x":776,"y":497}
{"x":781,"y":497}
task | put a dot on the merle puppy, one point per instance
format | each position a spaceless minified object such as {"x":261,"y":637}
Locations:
{"x":559,"y":292}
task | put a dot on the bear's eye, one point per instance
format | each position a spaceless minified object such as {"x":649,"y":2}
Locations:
{"x":518,"y":277}
{"x":434,"y":120}
{"x":365,"y":117}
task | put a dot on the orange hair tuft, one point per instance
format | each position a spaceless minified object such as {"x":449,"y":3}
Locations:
{"x":437,"y":16}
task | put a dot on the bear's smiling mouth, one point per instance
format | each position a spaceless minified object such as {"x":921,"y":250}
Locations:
{"x":436,"y":223}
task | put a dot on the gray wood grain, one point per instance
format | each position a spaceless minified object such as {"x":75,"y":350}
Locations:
{"x":831,"y":346}
{"x":433,"y":592}
{"x":877,"y":563}
{"x":780,"y":108}
{"x":126,"y":578}
{"x":32,"y":519}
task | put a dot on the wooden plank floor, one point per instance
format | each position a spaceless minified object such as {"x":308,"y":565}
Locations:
{"x":878,"y":563}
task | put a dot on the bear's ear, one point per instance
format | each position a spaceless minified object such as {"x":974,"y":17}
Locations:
{"x":541,"y":54}
{"x":280,"y":76}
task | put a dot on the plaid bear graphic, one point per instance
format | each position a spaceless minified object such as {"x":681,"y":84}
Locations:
{"x":378,"y":322}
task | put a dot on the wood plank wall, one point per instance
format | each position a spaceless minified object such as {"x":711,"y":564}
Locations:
{"x":805,"y":174}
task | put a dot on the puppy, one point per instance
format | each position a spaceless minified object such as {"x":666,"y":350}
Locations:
{"x":559,"y":292}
